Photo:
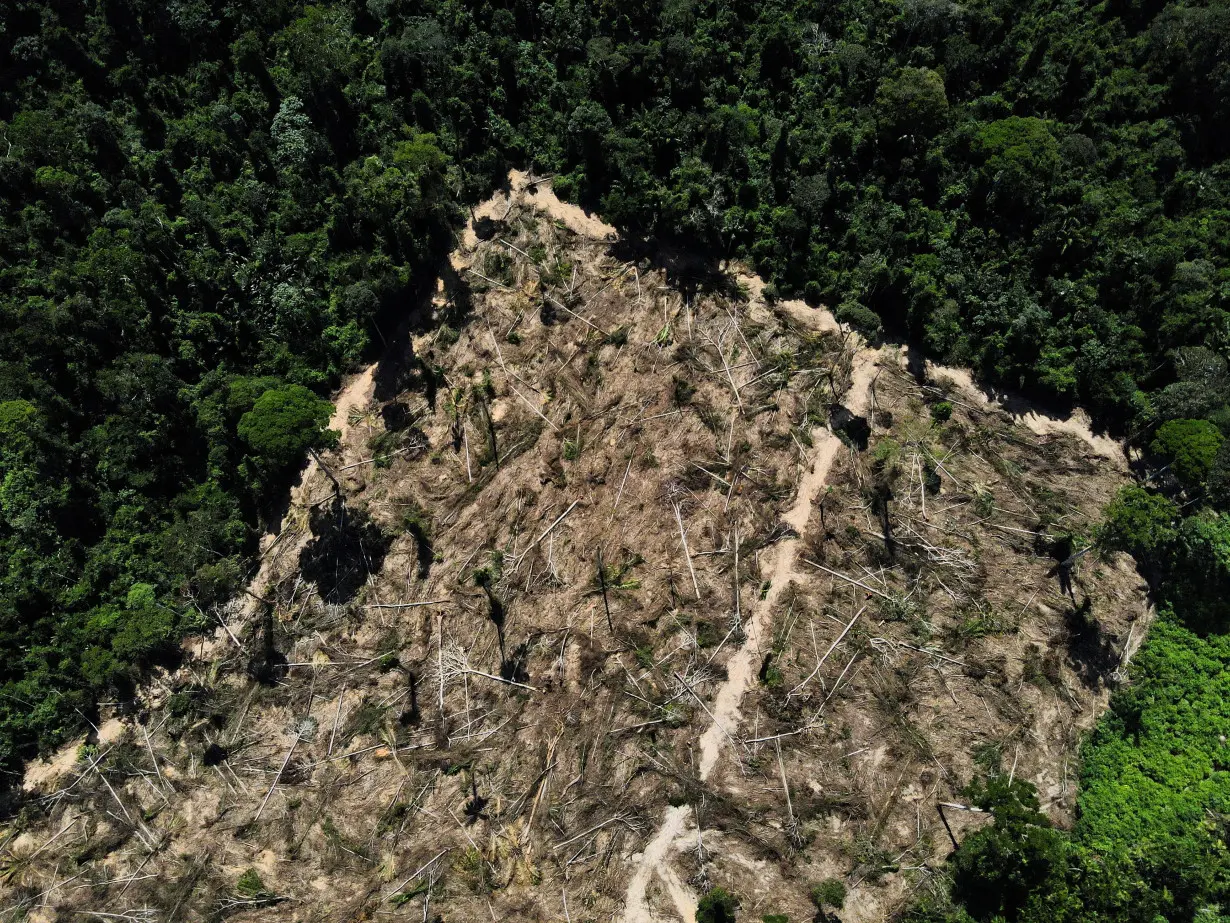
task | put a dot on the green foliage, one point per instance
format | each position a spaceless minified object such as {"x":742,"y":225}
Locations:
{"x":1198,"y":581}
{"x":200,"y":206}
{"x":1008,"y":871}
{"x":941,"y":411}
{"x":1152,"y":775}
{"x":617,"y":576}
{"x":1150,"y":840}
{"x":886,"y":453}
{"x":1021,"y":159}
{"x":1189,"y":447}
{"x":1141,"y":523}
{"x":210,"y":203}
{"x":717,"y":905}
{"x":912,"y":101}
{"x":829,"y":893}
{"x":1187,"y":558}
{"x":284,"y":423}
{"x":860,"y":317}
{"x":250,"y":887}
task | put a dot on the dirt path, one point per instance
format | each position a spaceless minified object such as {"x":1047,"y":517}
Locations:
{"x":742,"y":667}
{"x":653,"y":861}
{"x":780,"y":566}
{"x":1033,"y":418}
{"x":523,"y":189}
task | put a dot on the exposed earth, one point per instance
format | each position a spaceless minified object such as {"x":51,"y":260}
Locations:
{"x":622,"y":583}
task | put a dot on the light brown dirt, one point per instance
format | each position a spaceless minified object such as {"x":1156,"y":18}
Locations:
{"x":741,"y":668}
{"x":1034,"y":418}
{"x":633,"y":392}
{"x":44,"y":774}
{"x":525,"y":190}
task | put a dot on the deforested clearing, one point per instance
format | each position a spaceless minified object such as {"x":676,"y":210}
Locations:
{"x":622,"y":584}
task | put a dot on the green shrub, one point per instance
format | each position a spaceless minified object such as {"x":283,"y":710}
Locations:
{"x":250,"y":887}
{"x":829,"y":893}
{"x":1189,"y":447}
{"x":1002,"y":871}
{"x":886,"y":452}
{"x":717,"y":906}
{"x":284,"y":423}
{"x":389,"y":662}
{"x":860,"y":317}
{"x":1140,"y":523}
{"x":941,"y":411}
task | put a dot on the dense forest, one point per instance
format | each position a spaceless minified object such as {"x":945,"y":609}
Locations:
{"x":215,"y":208}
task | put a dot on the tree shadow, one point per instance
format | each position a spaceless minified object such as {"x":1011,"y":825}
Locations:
{"x":411,"y":716}
{"x":852,"y":430}
{"x":1090,"y":650}
{"x":496,"y":613}
{"x":424,"y":549}
{"x":689,"y":271}
{"x":916,"y":363}
{"x":267,"y":665}
{"x":881,"y":497}
{"x":474,"y":807}
{"x":396,"y":416}
{"x":214,"y":755}
{"x":487,"y":228}
{"x":346,"y":548}
{"x":1057,"y":412}
{"x":399,"y":367}
{"x":274,"y":506}
{"x":516,"y":667}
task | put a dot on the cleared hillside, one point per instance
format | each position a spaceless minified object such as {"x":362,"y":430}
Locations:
{"x":621,"y":584}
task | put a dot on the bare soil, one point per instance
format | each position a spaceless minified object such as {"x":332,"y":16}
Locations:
{"x":436,"y":701}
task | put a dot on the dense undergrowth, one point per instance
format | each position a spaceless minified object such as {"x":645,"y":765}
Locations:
{"x":1150,"y":841}
{"x":206,"y":202}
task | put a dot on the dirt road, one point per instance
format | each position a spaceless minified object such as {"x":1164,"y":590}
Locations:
{"x":741,"y":668}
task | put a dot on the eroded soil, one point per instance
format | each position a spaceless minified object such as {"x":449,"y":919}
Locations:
{"x":822,"y":607}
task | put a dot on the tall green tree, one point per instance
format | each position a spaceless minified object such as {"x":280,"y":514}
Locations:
{"x":284,"y":424}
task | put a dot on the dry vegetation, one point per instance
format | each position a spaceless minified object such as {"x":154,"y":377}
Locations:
{"x":938,"y":637}
{"x":470,"y":677}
